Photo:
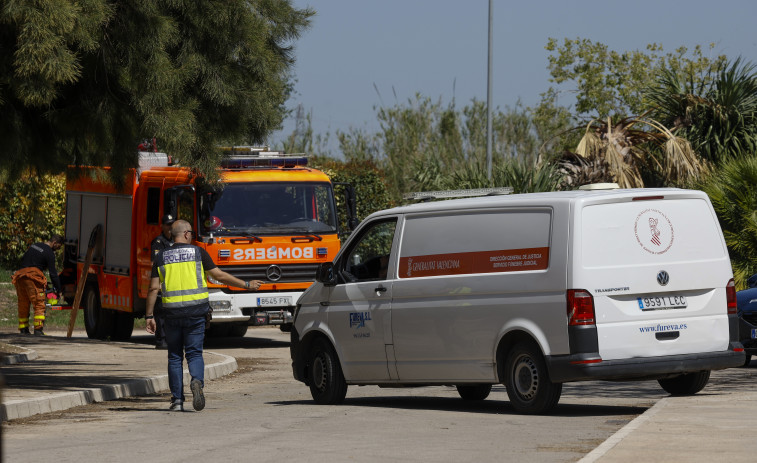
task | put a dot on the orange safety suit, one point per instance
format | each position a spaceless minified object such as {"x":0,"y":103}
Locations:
{"x":30,"y":285}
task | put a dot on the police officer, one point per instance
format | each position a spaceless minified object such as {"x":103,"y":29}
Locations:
{"x":31,"y":283}
{"x":161,"y":242}
{"x":179,"y":273}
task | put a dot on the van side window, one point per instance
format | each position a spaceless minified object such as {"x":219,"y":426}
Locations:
{"x":369,"y":257}
{"x":153,"y":206}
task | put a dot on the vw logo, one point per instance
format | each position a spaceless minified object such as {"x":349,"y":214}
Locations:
{"x":663,"y":278}
{"x":273,"y":273}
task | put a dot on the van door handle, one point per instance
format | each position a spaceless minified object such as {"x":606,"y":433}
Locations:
{"x":380,"y":289}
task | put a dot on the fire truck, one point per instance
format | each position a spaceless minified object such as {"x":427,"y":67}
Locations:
{"x":270,"y":218}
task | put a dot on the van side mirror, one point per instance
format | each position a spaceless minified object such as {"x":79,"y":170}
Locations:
{"x":752,"y":281}
{"x":325,"y":274}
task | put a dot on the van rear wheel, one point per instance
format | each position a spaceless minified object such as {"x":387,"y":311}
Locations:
{"x":527,"y":380}
{"x":327,"y":384}
{"x":688,"y":384}
{"x":474,"y":392}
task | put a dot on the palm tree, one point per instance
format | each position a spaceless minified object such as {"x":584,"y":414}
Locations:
{"x":733,"y":192}
{"x":620,"y":152}
{"x":718,"y":114}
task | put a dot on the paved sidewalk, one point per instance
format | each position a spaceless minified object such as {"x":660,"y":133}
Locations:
{"x":52,"y":373}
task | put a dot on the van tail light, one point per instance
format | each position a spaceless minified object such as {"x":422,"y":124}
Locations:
{"x":730,"y":296}
{"x":580,"y":307}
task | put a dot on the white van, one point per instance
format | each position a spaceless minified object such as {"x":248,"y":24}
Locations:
{"x":530,"y":291}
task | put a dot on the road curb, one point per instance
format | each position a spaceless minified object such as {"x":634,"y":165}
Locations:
{"x":20,"y":357}
{"x":12,"y":410}
{"x":623,"y":432}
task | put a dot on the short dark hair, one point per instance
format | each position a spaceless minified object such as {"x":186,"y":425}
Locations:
{"x":56,"y":238}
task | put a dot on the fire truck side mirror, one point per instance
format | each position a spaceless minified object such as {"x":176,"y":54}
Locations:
{"x":350,"y":199}
{"x":325,"y":274}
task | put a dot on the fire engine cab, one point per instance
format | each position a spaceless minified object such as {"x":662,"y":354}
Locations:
{"x":271,"y":218}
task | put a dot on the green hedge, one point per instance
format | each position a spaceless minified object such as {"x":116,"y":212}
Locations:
{"x":31,"y":209}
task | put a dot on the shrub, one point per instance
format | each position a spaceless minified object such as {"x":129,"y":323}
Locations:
{"x":31,"y":209}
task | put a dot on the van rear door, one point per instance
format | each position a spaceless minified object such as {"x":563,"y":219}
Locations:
{"x":657,"y":267}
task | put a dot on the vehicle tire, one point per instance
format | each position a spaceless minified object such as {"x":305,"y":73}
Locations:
{"x":327,"y":385}
{"x":474,"y":391}
{"x":98,"y":322}
{"x":238,"y":330}
{"x":527,"y":380}
{"x":747,"y":360}
{"x":286,"y":327}
{"x":123,"y":326}
{"x":218,"y":330}
{"x":688,"y":384}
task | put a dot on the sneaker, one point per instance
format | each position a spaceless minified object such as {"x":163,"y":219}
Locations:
{"x":24,"y":331}
{"x":198,"y":398}
{"x":39,"y":332}
{"x":177,"y":405}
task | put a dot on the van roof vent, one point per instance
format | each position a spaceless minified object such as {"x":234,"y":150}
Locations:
{"x":599,"y":186}
{"x":448,"y":194}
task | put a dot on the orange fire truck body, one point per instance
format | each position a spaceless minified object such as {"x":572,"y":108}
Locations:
{"x":271,"y":218}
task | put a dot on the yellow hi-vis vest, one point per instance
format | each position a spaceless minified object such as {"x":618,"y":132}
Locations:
{"x":182,"y":278}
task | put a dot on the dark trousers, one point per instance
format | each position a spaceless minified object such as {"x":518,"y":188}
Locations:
{"x":160,"y":323}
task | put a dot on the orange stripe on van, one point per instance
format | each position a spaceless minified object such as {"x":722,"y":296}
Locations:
{"x":460,"y":263}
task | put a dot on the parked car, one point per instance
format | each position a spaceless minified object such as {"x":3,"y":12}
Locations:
{"x":746,"y":301}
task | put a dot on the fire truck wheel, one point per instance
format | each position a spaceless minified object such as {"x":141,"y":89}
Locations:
{"x":123,"y":326}
{"x":238,"y":330}
{"x":97,"y":322}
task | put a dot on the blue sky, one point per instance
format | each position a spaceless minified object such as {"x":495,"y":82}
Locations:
{"x":439,"y":48}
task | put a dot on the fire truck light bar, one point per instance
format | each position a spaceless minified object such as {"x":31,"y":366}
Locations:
{"x":243,"y":157}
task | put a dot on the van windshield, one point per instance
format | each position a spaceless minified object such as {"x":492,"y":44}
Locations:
{"x":269,"y":208}
{"x":644,"y":232}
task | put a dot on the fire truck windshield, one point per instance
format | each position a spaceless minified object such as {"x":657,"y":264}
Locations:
{"x":268,"y":208}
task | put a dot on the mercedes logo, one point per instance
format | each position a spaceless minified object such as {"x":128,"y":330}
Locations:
{"x":663,"y":278}
{"x":273,"y":273}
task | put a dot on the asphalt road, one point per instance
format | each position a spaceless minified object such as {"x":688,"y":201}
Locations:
{"x":261,"y":413}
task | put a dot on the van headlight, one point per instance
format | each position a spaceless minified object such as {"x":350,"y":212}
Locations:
{"x":221,"y":306}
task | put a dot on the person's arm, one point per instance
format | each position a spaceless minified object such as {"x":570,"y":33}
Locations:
{"x":231,"y":280}
{"x":212,"y":269}
{"x":54,"y":273}
{"x":152,"y":296}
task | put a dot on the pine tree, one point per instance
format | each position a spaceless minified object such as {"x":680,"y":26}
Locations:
{"x":84,"y":81}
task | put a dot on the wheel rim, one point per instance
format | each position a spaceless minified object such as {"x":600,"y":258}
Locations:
{"x":319,"y":372}
{"x":526,"y":377}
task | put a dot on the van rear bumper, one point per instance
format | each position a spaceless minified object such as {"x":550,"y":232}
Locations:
{"x":564,"y":368}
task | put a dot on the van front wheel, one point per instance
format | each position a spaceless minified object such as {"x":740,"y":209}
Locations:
{"x":527,"y":381}
{"x":327,"y":384}
{"x":688,"y":384}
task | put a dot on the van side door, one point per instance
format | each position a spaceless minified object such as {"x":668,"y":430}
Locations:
{"x":359,"y":313}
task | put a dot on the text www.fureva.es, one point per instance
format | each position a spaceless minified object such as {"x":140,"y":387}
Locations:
{"x":660,"y":328}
